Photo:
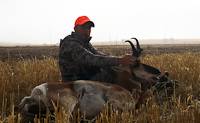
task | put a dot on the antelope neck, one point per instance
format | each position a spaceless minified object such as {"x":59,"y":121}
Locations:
{"x":126,"y":80}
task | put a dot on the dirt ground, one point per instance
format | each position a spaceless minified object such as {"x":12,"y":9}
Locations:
{"x":42,"y":52}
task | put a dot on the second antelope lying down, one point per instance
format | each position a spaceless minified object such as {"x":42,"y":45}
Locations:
{"x":92,"y":95}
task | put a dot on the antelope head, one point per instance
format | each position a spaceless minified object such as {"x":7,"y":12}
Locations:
{"x":138,"y":75}
{"x":142,"y":72}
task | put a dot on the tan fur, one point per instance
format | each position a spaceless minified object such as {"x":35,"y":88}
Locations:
{"x":88,"y":96}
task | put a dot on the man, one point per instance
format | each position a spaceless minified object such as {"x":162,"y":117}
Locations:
{"x":78,"y":59}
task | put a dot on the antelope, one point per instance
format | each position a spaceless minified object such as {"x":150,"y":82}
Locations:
{"x":91,"y":95}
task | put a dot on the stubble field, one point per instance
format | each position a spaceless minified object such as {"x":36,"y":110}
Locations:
{"x":23,"y":68}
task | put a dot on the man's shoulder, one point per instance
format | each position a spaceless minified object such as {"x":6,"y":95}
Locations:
{"x":70,"y":39}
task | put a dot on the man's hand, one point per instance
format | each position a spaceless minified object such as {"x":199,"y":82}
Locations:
{"x":127,"y":60}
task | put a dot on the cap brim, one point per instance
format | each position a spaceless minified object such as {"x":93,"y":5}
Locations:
{"x":92,"y":24}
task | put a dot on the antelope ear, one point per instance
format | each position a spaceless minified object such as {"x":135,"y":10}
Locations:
{"x":121,"y":68}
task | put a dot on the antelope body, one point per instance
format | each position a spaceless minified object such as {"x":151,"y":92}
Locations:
{"x":92,"y":95}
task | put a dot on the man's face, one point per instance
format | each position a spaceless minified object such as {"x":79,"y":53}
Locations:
{"x":84,"y":29}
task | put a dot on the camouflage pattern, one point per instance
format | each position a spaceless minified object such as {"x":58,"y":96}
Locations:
{"x":107,"y":75}
{"x":78,"y":59}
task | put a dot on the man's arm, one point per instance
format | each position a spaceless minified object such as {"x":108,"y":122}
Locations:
{"x":84,"y":56}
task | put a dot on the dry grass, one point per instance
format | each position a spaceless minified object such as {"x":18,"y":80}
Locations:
{"x":17,"y":79}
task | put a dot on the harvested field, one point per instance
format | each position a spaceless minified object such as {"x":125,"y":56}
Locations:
{"x":42,"y":52}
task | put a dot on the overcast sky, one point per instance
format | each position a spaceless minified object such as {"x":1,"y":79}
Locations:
{"x":47,"y":21}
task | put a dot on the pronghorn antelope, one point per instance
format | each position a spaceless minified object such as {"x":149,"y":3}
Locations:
{"x":92,"y":95}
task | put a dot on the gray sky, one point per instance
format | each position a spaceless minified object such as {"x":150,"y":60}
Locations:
{"x":47,"y":21}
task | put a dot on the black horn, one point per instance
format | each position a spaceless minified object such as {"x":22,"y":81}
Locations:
{"x":138,"y":45}
{"x":133,"y":47}
{"x":136,"y":52}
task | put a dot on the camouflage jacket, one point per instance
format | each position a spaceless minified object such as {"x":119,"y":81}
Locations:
{"x":78,"y":57}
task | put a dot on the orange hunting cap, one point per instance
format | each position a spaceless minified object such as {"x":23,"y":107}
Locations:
{"x":83,"y":19}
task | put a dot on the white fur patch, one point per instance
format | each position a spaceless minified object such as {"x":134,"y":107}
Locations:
{"x":39,"y":90}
